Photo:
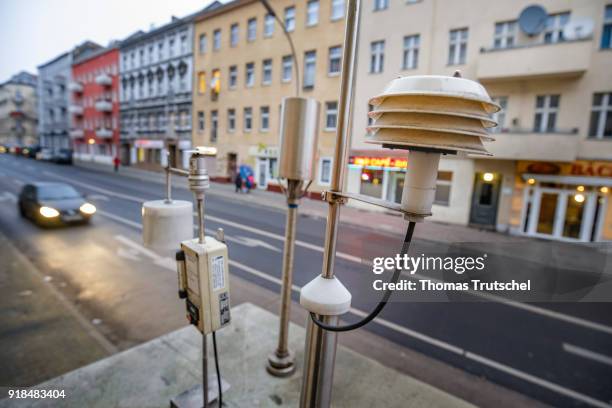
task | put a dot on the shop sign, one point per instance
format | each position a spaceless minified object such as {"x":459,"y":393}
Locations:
{"x":577,"y":168}
{"x":378,"y":162}
{"x":263,"y":151}
{"x":149,"y":144}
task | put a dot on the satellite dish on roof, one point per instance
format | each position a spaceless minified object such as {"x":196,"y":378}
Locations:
{"x":532,"y":20}
{"x":578,"y":28}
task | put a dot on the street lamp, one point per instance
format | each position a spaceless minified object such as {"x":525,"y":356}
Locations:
{"x":429,"y":116}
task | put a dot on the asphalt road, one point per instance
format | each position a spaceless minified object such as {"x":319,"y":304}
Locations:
{"x":560,"y":354}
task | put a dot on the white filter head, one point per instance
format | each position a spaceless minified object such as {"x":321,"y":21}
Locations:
{"x":420,"y":183}
{"x":166,"y":224}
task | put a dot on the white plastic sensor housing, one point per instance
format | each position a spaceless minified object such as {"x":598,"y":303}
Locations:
{"x":430,"y":115}
{"x":165,"y":224}
{"x":328,"y":297}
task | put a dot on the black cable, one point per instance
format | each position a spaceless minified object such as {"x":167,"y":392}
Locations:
{"x":381,"y":304}
{"x":217,"y":369}
{"x":293,"y":54}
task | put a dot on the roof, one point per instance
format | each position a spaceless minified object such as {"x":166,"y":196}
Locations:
{"x":223,"y":8}
{"x":82,"y":49}
{"x":87,"y":56}
{"x":22,"y":78}
{"x":175,"y":21}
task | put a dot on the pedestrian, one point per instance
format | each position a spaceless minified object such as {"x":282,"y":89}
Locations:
{"x":116,"y":162}
{"x":250,"y":183}
{"x":238,"y":183}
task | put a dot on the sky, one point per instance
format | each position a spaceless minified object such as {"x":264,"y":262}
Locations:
{"x":36,"y":31}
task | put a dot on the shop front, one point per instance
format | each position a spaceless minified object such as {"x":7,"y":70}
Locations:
{"x":566,"y":201}
{"x":266,"y":165}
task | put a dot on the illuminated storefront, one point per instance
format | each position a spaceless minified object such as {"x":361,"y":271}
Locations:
{"x":565,"y":201}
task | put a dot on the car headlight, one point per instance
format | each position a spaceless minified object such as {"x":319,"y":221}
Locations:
{"x":48,"y":212}
{"x":88,"y":208}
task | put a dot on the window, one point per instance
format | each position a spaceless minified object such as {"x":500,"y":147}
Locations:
{"x":233,"y":77}
{"x":287,"y":68}
{"x":601,"y":116}
{"x":500,"y":117}
{"x":411,"y":51}
{"x":290,"y":18}
{"x":606,"y":32}
{"x":310,"y":59}
{"x":201,"y":82}
{"x":443,"y":188}
{"x":249,"y":78}
{"x":201,"y":45}
{"x":160,"y":47}
{"x":231,"y":120}
{"x":312,"y":13}
{"x":151,"y":54}
{"x":505,"y":34}
{"x":171,"y":47}
{"x":200,"y":121}
{"x":325,"y":164}
{"x":264,"y":113}
{"x":213,"y":126}
{"x":234,"y":35}
{"x":370,"y":109}
{"x":183,"y":44}
{"x":553,"y":28}
{"x":248,"y":119}
{"x":457,"y":48}
{"x":337,"y":9}
{"x":268,"y":25}
{"x":267,"y":72}
{"x":331,"y":115}
{"x":380,"y":4}
{"x":217,"y":39}
{"x":252,"y":29}
{"x":377,"y":56}
{"x":545,"y":119}
{"x":335,"y":60}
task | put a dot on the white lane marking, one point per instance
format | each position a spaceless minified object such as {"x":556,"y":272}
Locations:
{"x":588,"y":354}
{"x":524,"y":306}
{"x":98,"y":197}
{"x":137,"y":248}
{"x":414,"y":334}
{"x":252,"y":242}
{"x":94,"y":188}
{"x":119,"y":219}
{"x":10,"y":197}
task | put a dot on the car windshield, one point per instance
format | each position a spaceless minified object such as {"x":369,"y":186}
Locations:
{"x":57,"y":192}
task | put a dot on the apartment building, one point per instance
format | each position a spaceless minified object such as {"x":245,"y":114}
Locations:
{"x":243,"y":68}
{"x":54,"y":121}
{"x":94,"y":106}
{"x":155,"y":94}
{"x":18,"y":114}
{"x":551,"y":172}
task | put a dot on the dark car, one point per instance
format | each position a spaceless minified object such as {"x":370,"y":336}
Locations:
{"x":30,"y":151}
{"x":49,"y":203}
{"x":62,"y":156}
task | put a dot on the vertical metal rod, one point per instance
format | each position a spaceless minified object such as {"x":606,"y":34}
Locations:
{"x":168,"y":185}
{"x":200,"y":220}
{"x":320,"y":350}
{"x":204,"y":371}
{"x":281,"y":362}
{"x":287,"y":278}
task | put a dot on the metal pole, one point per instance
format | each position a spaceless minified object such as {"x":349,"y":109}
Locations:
{"x":204,"y":372}
{"x":320,"y":350}
{"x":201,"y":220}
{"x":281,"y":363}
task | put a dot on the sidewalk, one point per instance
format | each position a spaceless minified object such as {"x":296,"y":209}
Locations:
{"x":151,"y":374}
{"x":38,"y":325}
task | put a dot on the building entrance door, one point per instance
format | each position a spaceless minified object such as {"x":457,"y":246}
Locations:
{"x":483,"y":212}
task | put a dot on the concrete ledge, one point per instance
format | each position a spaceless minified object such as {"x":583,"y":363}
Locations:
{"x":151,"y":374}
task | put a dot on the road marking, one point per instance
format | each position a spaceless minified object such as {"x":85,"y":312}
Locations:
{"x":98,"y":197}
{"x":251,"y":242}
{"x":119,"y":219}
{"x":137,"y":248}
{"x":94,"y":188}
{"x":524,"y":306}
{"x":588,"y":354}
{"x":10,"y":197}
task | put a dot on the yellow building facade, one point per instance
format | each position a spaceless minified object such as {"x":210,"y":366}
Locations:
{"x":243,"y":68}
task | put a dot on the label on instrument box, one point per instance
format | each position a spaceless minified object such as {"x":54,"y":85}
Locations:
{"x":193,"y":283}
{"x":218,"y":268}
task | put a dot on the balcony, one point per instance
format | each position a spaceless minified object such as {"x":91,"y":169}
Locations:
{"x":104,"y":80}
{"x":104,"y":106}
{"x":75,"y":87}
{"x":76,"y":133}
{"x":76,"y":110}
{"x":528,"y":145}
{"x":564,"y":59}
{"x":104,"y":133}
{"x":595,"y":149}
